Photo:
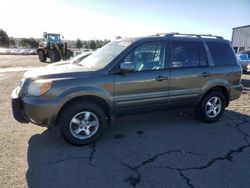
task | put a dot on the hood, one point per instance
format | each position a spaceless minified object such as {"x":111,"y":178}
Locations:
{"x":59,"y":71}
{"x":59,"y":63}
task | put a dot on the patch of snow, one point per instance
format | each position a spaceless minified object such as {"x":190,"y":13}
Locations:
{"x":17,"y":51}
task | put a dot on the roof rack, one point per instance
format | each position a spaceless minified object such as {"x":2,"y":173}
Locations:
{"x":173,"y":34}
{"x":164,"y":34}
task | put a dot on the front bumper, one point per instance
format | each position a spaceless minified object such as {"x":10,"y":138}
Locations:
{"x":17,"y":109}
{"x":37,"y":110}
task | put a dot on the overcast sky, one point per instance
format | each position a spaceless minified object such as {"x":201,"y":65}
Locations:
{"x":99,"y":19}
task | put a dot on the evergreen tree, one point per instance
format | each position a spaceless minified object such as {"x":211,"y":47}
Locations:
{"x":79,"y":44}
{"x":4,"y":39}
{"x":28,"y":43}
{"x":92,"y":45}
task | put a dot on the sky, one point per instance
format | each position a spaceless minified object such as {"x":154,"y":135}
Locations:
{"x":106,"y":19}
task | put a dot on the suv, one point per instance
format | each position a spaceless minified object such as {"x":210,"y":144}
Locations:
{"x":130,"y":75}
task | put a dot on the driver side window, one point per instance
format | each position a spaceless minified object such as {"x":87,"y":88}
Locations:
{"x":149,"y":56}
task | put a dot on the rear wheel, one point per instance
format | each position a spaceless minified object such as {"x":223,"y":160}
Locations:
{"x":68,"y":55}
{"x":54,"y":56}
{"x":82,"y":123}
{"x":212,"y":106}
{"x":42,"y":56}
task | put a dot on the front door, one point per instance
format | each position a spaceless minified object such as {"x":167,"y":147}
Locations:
{"x":149,"y":82}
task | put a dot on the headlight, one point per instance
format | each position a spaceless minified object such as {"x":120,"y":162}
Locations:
{"x":39,"y":87}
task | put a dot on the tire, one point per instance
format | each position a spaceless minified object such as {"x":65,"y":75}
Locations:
{"x":42,"y":56}
{"x":209,"y":104}
{"x":54,"y":56}
{"x":71,"y":128}
{"x":68,"y":55}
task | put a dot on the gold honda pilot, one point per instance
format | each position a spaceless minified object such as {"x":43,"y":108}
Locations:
{"x":128,"y":76}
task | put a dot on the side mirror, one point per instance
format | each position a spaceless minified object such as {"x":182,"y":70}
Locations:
{"x":127,"y":66}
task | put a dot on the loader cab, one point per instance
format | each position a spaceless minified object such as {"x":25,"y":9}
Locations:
{"x":52,"y":38}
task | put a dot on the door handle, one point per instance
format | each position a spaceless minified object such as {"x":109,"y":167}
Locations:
{"x":161,"y":78}
{"x":176,"y":64}
{"x":204,"y":74}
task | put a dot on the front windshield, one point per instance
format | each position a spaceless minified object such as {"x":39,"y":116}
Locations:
{"x":53,"y":38}
{"x":104,"y":55}
{"x":80,"y":57}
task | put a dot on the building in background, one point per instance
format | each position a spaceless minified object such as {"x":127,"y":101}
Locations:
{"x":241,"y":38}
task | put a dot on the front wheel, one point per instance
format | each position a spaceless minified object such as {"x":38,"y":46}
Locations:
{"x":54,"y":56}
{"x":82,"y":123}
{"x":212,"y":106}
{"x":42,"y":56}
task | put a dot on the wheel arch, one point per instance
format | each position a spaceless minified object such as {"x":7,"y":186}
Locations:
{"x":90,"y":98}
{"x":220,"y":88}
{"x":40,"y":49}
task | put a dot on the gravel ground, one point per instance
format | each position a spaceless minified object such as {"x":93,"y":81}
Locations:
{"x":20,"y":61}
{"x":160,"y":149}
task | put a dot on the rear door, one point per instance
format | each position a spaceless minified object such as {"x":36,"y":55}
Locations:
{"x":148,"y":84}
{"x":189,"y":70}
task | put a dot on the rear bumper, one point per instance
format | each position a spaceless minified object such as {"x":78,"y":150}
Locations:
{"x":235,"y":91}
{"x":16,"y":108}
{"x":246,"y":68}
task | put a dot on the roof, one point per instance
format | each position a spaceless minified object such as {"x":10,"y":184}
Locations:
{"x":241,"y":27}
{"x":178,"y":36}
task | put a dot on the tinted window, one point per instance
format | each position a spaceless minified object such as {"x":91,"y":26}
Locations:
{"x":148,"y":56}
{"x":222,"y":53}
{"x":187,"y":54}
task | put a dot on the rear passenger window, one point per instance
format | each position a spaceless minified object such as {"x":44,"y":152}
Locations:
{"x":222,"y":53}
{"x":187,"y":54}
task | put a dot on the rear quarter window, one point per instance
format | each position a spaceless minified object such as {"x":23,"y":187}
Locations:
{"x":222,"y":53}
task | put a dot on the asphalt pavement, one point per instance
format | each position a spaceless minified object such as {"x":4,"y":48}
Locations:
{"x":158,"y":149}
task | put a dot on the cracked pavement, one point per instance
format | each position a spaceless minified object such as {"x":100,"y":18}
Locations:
{"x":158,"y":149}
